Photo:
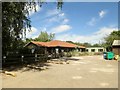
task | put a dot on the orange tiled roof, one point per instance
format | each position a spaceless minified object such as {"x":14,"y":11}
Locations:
{"x":81,"y":46}
{"x":39,"y":43}
{"x":56,"y":43}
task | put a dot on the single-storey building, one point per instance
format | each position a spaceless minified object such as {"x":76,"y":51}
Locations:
{"x":95,"y":49}
{"x":55,"y":47}
{"x":116,"y":47}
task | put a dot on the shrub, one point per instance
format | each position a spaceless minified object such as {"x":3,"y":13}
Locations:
{"x":98,"y":53}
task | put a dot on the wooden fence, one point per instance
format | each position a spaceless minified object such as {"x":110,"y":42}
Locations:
{"x":27,"y":58}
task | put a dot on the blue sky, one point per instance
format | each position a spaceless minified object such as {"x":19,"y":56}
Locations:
{"x":77,"y":21}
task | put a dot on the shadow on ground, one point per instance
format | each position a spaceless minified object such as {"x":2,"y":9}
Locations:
{"x":25,"y":67}
{"x":36,"y":65}
{"x":70,"y":58}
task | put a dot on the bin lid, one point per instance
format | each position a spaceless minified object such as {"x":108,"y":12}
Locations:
{"x":109,"y":52}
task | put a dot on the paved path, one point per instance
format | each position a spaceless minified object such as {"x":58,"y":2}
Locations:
{"x":87,"y":72}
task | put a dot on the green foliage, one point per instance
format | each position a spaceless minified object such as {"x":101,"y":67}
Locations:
{"x":14,"y":24}
{"x":83,"y":53}
{"x":67,"y":54}
{"x":15,"y":20}
{"x":77,"y":43}
{"x":28,"y":40}
{"x":87,"y":44}
{"x":76,"y":53}
{"x":115,"y":35}
{"x":45,"y":37}
{"x":70,"y":42}
{"x":96,"y":45}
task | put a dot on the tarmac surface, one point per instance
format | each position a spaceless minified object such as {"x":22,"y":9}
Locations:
{"x":81,"y":72}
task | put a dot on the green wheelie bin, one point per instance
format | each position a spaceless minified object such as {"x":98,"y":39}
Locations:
{"x":110,"y":55}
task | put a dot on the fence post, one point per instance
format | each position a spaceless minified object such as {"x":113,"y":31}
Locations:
{"x":22,"y":58}
{"x":35,"y":57}
{"x":4,"y":58}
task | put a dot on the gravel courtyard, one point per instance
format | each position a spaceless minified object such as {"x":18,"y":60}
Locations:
{"x":87,"y":72}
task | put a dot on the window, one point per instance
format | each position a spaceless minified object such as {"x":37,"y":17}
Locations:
{"x":100,"y":50}
{"x":86,"y":50}
{"x":92,"y":50}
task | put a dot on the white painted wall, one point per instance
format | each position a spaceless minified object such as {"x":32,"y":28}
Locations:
{"x":95,"y":48}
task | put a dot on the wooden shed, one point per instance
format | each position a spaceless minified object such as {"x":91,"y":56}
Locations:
{"x":54,"y":47}
{"x":116,"y":47}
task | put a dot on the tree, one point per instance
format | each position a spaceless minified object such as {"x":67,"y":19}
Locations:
{"x":115,"y":35}
{"x":77,"y":43}
{"x":28,"y":40}
{"x":45,"y":37}
{"x":96,"y":45}
{"x":70,"y":42}
{"x":87,"y":44}
{"x":15,"y":20}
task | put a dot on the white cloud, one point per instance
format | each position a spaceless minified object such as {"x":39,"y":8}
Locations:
{"x":60,"y":18}
{"x":53,"y":19}
{"x":65,"y":21}
{"x":44,"y":29}
{"x":52,"y":12}
{"x":55,"y":15}
{"x":33,"y":33}
{"x":105,"y":31}
{"x":93,"y":38}
{"x":57,"y":19}
{"x":102,"y":13}
{"x":55,"y":12}
{"x":62,"y":14}
{"x":92,"y":22}
{"x":60,"y":29}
